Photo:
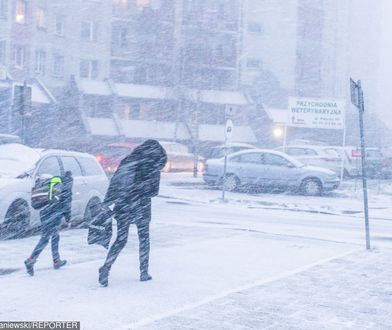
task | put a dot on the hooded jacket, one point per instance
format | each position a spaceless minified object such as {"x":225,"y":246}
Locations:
{"x":137,"y":177}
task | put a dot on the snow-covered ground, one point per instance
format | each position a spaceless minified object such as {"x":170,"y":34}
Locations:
{"x":275,"y":260}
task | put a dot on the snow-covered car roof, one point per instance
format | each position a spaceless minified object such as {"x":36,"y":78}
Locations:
{"x":270,"y":151}
{"x":236,"y":144}
{"x":59,"y":152}
{"x":16,"y":159}
{"x":307,"y":146}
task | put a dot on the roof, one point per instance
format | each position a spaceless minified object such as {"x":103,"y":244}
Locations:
{"x":308,"y":146}
{"x":271,"y":151}
{"x":154,"y":92}
{"x":161,"y":130}
{"x":245,"y":145}
{"x":44,"y":152}
{"x":218,"y":97}
{"x":278,"y":116}
{"x":39,"y":93}
{"x":92,"y":87}
{"x":143,"y":91}
{"x":217,"y":133}
{"x":102,"y":126}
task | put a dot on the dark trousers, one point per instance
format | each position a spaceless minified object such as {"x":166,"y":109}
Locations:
{"x":52,"y":234}
{"x":143,"y":231}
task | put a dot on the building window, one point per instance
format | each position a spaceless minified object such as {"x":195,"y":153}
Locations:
{"x":41,"y":18}
{"x":253,"y":63}
{"x":40,"y":59}
{"x":60,"y":23}
{"x":89,"y":69}
{"x":19,"y":57}
{"x":89,"y":31}
{"x":2,"y":52}
{"x":255,"y":27}
{"x":20,"y":13}
{"x":58,"y":65}
{"x":3,"y":8}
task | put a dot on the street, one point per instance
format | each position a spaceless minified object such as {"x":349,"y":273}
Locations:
{"x":256,"y":261}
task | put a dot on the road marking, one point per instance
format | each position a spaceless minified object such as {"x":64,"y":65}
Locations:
{"x":149,"y":320}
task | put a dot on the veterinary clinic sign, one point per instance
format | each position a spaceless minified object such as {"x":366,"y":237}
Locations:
{"x":316,"y":113}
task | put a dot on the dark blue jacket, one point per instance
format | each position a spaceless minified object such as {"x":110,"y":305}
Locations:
{"x":136,"y":181}
{"x":59,"y":205}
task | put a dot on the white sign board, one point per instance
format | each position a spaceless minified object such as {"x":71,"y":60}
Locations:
{"x":316,"y":113}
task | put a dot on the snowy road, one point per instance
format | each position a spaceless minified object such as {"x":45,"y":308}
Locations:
{"x":202,"y":251}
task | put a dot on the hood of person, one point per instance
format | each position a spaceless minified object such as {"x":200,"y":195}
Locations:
{"x":150,"y":155}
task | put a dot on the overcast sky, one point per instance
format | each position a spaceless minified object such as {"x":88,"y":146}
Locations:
{"x":385,"y":81}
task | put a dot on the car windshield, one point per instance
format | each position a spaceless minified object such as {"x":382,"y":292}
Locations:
{"x":16,"y":159}
{"x":216,"y":153}
{"x":294,"y":161}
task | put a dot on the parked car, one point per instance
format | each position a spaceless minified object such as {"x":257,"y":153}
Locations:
{"x":179,"y":158}
{"x":350,"y":161}
{"x":219,"y":151}
{"x":321,"y":156}
{"x":21,"y":166}
{"x":268,"y":168}
{"x":9,"y":138}
{"x":377,"y":165}
{"x":110,"y":155}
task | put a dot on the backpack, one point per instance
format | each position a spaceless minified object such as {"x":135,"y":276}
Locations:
{"x":45,"y":192}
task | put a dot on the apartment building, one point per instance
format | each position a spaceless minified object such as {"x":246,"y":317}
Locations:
{"x":270,"y":41}
{"x":45,"y":43}
{"x":177,"y":62}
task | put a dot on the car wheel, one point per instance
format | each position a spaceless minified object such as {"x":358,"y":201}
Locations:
{"x":17,"y":220}
{"x":230,"y":182}
{"x":311,"y":187}
{"x":92,"y":209}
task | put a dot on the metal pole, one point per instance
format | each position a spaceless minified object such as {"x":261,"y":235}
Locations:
{"x":285,"y":138}
{"x":23,"y":114}
{"x":363,"y":158}
{"x":224,"y":172}
{"x":343,"y":153}
{"x":195,"y":159}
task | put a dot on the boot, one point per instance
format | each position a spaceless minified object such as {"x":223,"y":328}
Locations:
{"x":59,"y":263}
{"x":29,"y":263}
{"x":144,"y":277}
{"x":104,"y":276}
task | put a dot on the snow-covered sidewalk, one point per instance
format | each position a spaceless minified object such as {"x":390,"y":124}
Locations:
{"x":352,"y":292}
{"x":214,"y":266}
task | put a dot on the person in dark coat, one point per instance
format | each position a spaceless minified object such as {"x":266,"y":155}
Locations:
{"x":59,"y":205}
{"x":131,"y":188}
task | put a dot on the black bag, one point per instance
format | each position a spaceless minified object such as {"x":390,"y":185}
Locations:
{"x":100,"y":228}
{"x":44,"y":191}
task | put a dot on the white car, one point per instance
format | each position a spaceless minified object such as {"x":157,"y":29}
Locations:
{"x":219,"y":151}
{"x":21,"y":166}
{"x":179,"y":158}
{"x":321,"y":156}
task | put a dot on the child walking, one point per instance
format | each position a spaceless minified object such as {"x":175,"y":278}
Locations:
{"x":59,"y":205}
